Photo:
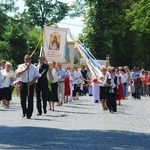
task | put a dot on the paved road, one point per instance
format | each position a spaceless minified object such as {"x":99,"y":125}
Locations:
{"x":80,"y":125}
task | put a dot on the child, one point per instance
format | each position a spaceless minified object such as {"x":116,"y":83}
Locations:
{"x":95,"y":89}
{"x":132,"y":89}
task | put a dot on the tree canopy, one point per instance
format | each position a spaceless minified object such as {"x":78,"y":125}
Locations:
{"x":139,"y":15}
{"x":45,"y":12}
{"x":118,"y":28}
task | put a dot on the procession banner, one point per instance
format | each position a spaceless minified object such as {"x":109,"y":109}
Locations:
{"x":55,"y":42}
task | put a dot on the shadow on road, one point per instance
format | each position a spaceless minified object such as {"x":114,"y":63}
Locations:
{"x":76,"y":107}
{"x":73,"y":112}
{"x":57,"y":139}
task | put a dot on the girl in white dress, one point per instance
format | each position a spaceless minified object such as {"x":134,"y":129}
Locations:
{"x":95,"y":90}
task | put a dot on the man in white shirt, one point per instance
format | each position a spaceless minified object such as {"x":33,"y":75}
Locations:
{"x":61,"y":90}
{"x":77,"y":82}
{"x":29,"y":74}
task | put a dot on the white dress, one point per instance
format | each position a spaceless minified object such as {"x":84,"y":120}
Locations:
{"x":96,"y":90}
{"x":71,"y":86}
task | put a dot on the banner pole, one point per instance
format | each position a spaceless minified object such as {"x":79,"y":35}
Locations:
{"x":83,"y":55}
{"x":28,"y":68}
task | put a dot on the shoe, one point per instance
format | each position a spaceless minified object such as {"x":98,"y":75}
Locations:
{"x":60,"y":104}
{"x":96,"y":101}
{"x":39,"y":114}
{"x":23,"y":115}
{"x":113,"y":111}
{"x":45,"y":111}
{"x":28,"y":117}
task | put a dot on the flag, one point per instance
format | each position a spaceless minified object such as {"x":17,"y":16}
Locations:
{"x":54,"y":46}
{"x":90,"y":60}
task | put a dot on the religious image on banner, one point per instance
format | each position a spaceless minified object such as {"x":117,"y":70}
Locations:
{"x":54,"y":44}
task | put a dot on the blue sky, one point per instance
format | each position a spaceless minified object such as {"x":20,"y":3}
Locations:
{"x":75,"y":25}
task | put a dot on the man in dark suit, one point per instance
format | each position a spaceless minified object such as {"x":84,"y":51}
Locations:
{"x":42,"y":86}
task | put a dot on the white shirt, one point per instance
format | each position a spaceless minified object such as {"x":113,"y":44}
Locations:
{"x":124,"y":78}
{"x":7,"y":75}
{"x":105,"y":80}
{"x":55,"y":75}
{"x":28,"y":75}
{"x":1,"y":80}
{"x":112,"y":81}
{"x":71,"y":77}
{"x":77,"y":77}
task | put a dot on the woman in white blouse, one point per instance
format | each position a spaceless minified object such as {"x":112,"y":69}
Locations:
{"x":124,"y":81}
{"x":53,"y":80}
{"x":1,"y":87}
{"x":9,"y":76}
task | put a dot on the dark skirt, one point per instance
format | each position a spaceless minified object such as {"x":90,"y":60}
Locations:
{"x":76,"y":89}
{"x":103,"y":94}
{"x":1,"y":92}
{"x":6,"y":93}
{"x":53,"y":94}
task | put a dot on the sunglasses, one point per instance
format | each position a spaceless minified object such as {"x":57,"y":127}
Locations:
{"x":27,"y":59}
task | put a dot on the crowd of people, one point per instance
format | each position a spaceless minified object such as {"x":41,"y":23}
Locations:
{"x":54,"y":85}
{"x":118,"y":84}
{"x":49,"y":82}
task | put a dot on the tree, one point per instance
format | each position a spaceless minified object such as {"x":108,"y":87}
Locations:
{"x":104,"y":20}
{"x":108,"y":31}
{"x":5,"y":6}
{"x":139,"y":15}
{"x":16,"y":35}
{"x":4,"y":48}
{"x":3,"y":22}
{"x":45,"y":12}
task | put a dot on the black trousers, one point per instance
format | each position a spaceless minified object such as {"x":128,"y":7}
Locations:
{"x":41,"y":95}
{"x":27,"y":100}
{"x":111,"y":102}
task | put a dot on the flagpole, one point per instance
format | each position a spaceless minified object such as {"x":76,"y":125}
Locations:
{"x":83,"y":55}
{"x":95,"y":70}
{"x":28,"y":68}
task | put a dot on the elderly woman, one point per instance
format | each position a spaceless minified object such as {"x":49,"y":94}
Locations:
{"x":1,"y":87}
{"x":53,"y":80}
{"x":9,"y":76}
{"x":103,"y":86}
